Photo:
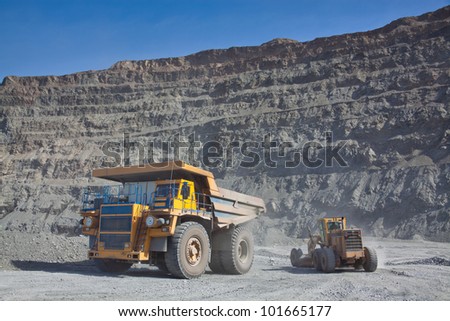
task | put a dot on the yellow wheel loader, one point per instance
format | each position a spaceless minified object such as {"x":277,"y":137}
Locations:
{"x":339,"y":246}
{"x":172,"y":215}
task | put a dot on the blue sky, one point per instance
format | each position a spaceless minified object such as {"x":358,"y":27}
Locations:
{"x":61,"y":37}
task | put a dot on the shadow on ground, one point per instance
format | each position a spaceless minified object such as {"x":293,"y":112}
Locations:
{"x":296,"y":270}
{"x":84,"y":268}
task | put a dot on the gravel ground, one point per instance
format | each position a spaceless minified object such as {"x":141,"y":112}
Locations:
{"x":51,"y":267}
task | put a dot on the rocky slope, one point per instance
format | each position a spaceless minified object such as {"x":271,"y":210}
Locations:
{"x":383,"y":94}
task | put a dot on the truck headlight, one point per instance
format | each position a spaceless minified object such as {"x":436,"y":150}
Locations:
{"x":88,"y":221}
{"x":149,"y":221}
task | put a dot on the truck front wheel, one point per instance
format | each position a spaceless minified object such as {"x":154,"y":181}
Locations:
{"x":218,"y":239}
{"x":188,"y":251}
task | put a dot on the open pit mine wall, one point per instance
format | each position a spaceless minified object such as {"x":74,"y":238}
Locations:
{"x":383,"y":94}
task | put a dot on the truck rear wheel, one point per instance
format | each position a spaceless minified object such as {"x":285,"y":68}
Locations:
{"x":218,"y":239}
{"x":111,"y":266}
{"x":239,"y":258}
{"x":327,"y":260}
{"x":216,"y":263}
{"x":188,"y":251}
{"x":370,"y":259}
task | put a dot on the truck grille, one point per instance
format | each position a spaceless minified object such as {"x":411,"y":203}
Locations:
{"x":115,"y":219}
{"x":114,"y":241}
{"x":353,"y":240}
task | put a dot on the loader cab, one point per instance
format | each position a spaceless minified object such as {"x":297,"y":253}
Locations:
{"x":329,"y":225}
{"x":333,"y":226}
{"x":174,"y":194}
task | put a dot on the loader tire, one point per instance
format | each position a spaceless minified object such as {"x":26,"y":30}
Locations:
{"x":295,"y":256}
{"x":316,"y":259}
{"x":370,"y":260}
{"x":188,"y":251}
{"x":327,"y":260}
{"x":238,"y":259}
{"x":111,"y":266}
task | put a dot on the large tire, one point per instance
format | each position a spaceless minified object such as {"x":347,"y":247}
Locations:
{"x":370,"y":260}
{"x":295,"y":256}
{"x":111,"y":266}
{"x":327,"y":260}
{"x":216,"y":263}
{"x":188,"y":251}
{"x":218,"y":240}
{"x":316,"y":259}
{"x":238,"y":258}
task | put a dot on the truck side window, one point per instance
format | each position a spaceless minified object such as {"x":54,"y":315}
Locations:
{"x":185,"y":191}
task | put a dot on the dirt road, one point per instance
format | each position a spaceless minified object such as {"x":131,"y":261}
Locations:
{"x":408,"y":270}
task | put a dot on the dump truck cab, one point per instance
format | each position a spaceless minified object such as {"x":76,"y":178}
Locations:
{"x":172,"y":215}
{"x":174,"y":194}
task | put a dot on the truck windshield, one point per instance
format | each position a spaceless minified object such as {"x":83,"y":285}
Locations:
{"x":166,"y":190}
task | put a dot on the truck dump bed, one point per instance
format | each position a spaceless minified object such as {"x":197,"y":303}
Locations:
{"x":229,"y":206}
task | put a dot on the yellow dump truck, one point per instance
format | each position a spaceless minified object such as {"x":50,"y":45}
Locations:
{"x":172,"y":215}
